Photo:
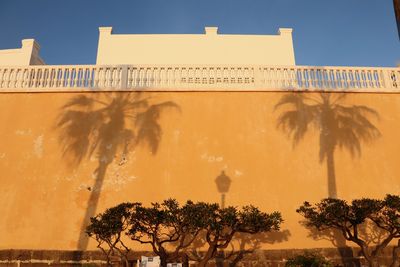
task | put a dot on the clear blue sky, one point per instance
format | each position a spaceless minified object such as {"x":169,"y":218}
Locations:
{"x":334,"y":32}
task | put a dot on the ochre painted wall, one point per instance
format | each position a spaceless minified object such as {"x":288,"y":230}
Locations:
{"x":43,"y":197}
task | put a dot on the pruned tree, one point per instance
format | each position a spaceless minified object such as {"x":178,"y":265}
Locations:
{"x":108,"y":229}
{"x":330,"y":214}
{"x":222,"y":224}
{"x":168,"y":228}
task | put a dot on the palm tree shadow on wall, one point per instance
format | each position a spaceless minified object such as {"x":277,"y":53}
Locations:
{"x":108,"y":126}
{"x":338,"y":125}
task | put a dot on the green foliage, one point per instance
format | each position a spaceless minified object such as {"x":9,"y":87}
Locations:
{"x":106,"y":228}
{"x":221,"y":224}
{"x":308,"y":260}
{"x":170,"y":228}
{"x":336,"y":214}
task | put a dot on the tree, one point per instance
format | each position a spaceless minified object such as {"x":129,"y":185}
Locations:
{"x":168,"y":228}
{"x":349,"y":218}
{"x":338,"y":125}
{"x":108,"y":228}
{"x":107,"y":125}
{"x":222,"y":224}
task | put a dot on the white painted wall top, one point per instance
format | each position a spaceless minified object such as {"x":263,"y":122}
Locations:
{"x":205,"y":49}
{"x":28,"y":54}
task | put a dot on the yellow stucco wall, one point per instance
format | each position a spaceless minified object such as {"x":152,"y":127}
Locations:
{"x":43,"y":198}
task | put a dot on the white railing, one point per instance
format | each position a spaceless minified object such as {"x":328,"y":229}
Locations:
{"x":198,"y":78}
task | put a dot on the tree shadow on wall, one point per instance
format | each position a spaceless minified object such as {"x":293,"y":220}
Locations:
{"x":338,"y":125}
{"x":242,"y":244}
{"x":108,"y":126}
{"x":367,"y":231}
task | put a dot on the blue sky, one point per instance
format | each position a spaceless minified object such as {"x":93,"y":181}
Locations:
{"x":332,"y":33}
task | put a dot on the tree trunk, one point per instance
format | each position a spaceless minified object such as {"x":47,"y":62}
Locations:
{"x":164,"y":261}
{"x":237,"y":259}
{"x":346,"y":253}
{"x":395,"y":255}
{"x":92,"y":205}
{"x":208,"y":256}
{"x":373,"y":262}
{"x":185,"y":260}
{"x":330,"y":163}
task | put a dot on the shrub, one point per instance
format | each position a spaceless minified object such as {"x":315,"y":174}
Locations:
{"x":308,"y":259}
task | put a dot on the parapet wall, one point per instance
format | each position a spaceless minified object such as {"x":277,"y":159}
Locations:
{"x":27,"y":55}
{"x":208,"y":48}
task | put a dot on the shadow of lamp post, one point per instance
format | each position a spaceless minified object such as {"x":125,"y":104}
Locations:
{"x":223,"y":183}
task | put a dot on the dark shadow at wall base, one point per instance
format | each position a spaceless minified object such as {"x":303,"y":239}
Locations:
{"x":273,"y":258}
{"x":348,"y":259}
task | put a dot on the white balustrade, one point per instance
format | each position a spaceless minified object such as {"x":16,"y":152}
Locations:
{"x":198,"y":78}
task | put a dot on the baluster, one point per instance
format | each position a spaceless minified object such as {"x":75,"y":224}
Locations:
{"x":115,"y":77}
{"x":61,"y":77}
{"x":307,"y":79}
{"x":225,"y":75}
{"x":36,"y":77}
{"x":109,"y":77}
{"x":68,"y":77}
{"x":370,"y":83}
{"x":149,"y":77}
{"x":141,"y":77}
{"x":331,"y":79}
{"x":43,"y":80}
{"x":298,"y":78}
{"x":21,"y":76}
{"x":105,"y":80}
{"x":156,"y":77}
{"x":18,"y":79}
{"x":177,"y":76}
{"x":129,"y":77}
{"x":161,"y":74}
{"x":134,"y":77}
{"x":50,"y":78}
{"x":87,"y":77}
{"x":6,"y":77}
{"x":278,"y":74}
{"x":304,"y":79}
{"x":12,"y":81}
{"x":96,"y":77}
{"x":338,"y":79}
{"x":362,"y":79}
{"x":2,"y":78}
{"x":344,"y":79}
{"x":281,"y":78}
{"x":356,"y":76}
{"x":325,"y":78}
{"x":266,"y":77}
{"x":350,"y":75}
